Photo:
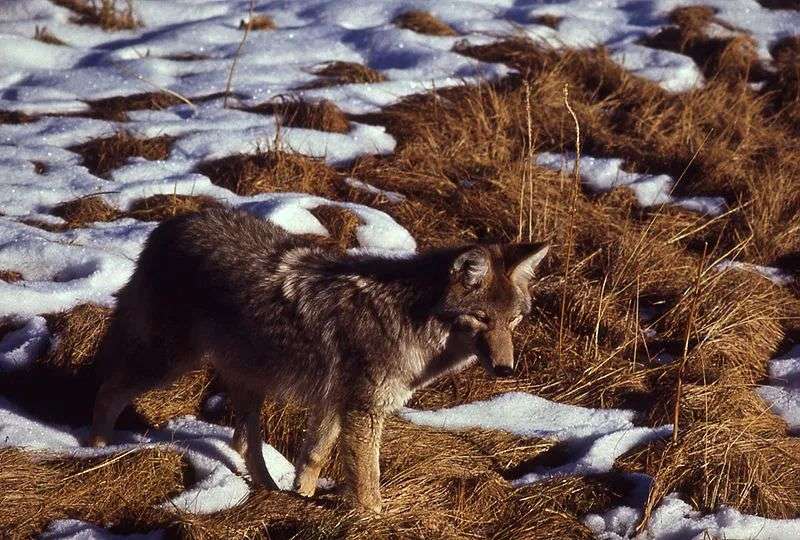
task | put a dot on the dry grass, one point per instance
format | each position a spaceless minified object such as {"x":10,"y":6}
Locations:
{"x":107,"y":14}
{"x":41,"y":33}
{"x":258,"y":22}
{"x":271,"y":170}
{"x":729,"y":58}
{"x":79,"y":331}
{"x":423,"y":22}
{"x":116,"y":108}
{"x":101,"y":156}
{"x":15,"y":117}
{"x":83,"y":211}
{"x":338,"y":73}
{"x":10,"y":276}
{"x":548,"y":20}
{"x":161,"y":207}
{"x":80,"y":212}
{"x":115,"y":490}
{"x":780,"y":4}
{"x":460,"y":159}
{"x":340,"y":223}
{"x":322,"y":115}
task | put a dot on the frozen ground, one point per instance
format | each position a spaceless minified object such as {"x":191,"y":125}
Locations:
{"x":61,"y":270}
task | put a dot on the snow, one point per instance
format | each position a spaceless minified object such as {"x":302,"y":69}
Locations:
{"x":391,"y":196}
{"x":674,"y":519}
{"x":605,"y":174}
{"x":20,"y":347}
{"x":89,"y":264}
{"x":73,"y":529}
{"x":218,"y":468}
{"x":594,"y":438}
{"x":783,"y":394}
{"x":775,"y":275}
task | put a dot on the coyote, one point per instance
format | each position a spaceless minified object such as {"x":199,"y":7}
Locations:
{"x":284,"y":317}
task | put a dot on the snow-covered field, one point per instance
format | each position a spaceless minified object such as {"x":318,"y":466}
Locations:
{"x":61,"y":270}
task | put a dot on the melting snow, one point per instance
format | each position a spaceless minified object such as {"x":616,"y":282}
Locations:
{"x":605,"y":174}
{"x":64,"y":269}
{"x":594,"y":437}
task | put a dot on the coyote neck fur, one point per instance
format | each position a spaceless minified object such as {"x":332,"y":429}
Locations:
{"x":404,"y":299}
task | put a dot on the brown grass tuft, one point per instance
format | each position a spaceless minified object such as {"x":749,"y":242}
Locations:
{"x":340,"y":223}
{"x":85,"y":210}
{"x":423,"y":22}
{"x":269,"y":171}
{"x":780,"y":4}
{"x":338,"y":73}
{"x":185,"y":57}
{"x":182,"y":397}
{"x":15,"y":117}
{"x":119,"y":490}
{"x":323,"y":115}
{"x":161,"y":207}
{"x":258,"y":22}
{"x":548,"y":20}
{"x":45,"y":36}
{"x":729,"y":58}
{"x":747,"y":463}
{"x":106,"y":14}
{"x":10,"y":276}
{"x":116,"y":108}
{"x":78,"y":332}
{"x":101,"y":156}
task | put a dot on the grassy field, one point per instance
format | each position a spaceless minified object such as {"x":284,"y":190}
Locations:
{"x":585,"y":344}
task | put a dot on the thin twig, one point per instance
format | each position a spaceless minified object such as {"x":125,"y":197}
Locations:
{"x":573,"y":201}
{"x":237,"y":53}
{"x":156,"y":86}
{"x":104,"y":464}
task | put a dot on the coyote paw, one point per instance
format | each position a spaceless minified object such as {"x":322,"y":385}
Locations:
{"x":372,"y":504}
{"x":305,"y":483}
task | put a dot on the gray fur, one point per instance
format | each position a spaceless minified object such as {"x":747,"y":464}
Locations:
{"x":283,"y":317}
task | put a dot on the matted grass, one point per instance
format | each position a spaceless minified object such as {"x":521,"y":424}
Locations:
{"x":117,"y":490}
{"x":271,"y":170}
{"x":10,"y":276}
{"x":340,"y":223}
{"x":338,"y":73}
{"x":463,"y":163}
{"x":258,"y":22}
{"x":110,"y":15}
{"x":101,"y":156}
{"x":161,"y":207}
{"x":322,"y":115}
{"x":423,"y":22}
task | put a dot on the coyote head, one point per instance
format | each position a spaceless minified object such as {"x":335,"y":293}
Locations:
{"x":487,"y":296}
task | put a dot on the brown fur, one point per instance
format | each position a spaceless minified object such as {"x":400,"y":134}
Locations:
{"x":281,"y":317}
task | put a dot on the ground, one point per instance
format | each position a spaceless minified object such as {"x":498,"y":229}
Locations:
{"x":654,"y":145}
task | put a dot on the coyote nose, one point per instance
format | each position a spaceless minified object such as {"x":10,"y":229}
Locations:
{"x":503,"y":371}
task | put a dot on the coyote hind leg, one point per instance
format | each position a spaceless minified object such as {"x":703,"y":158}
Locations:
{"x":248,"y":438}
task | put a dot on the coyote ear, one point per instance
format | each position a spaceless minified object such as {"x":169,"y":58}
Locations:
{"x":522,"y":260}
{"x":471,"y":267}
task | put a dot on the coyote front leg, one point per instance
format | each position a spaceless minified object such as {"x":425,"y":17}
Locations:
{"x":323,"y":430}
{"x":362,"y":441}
